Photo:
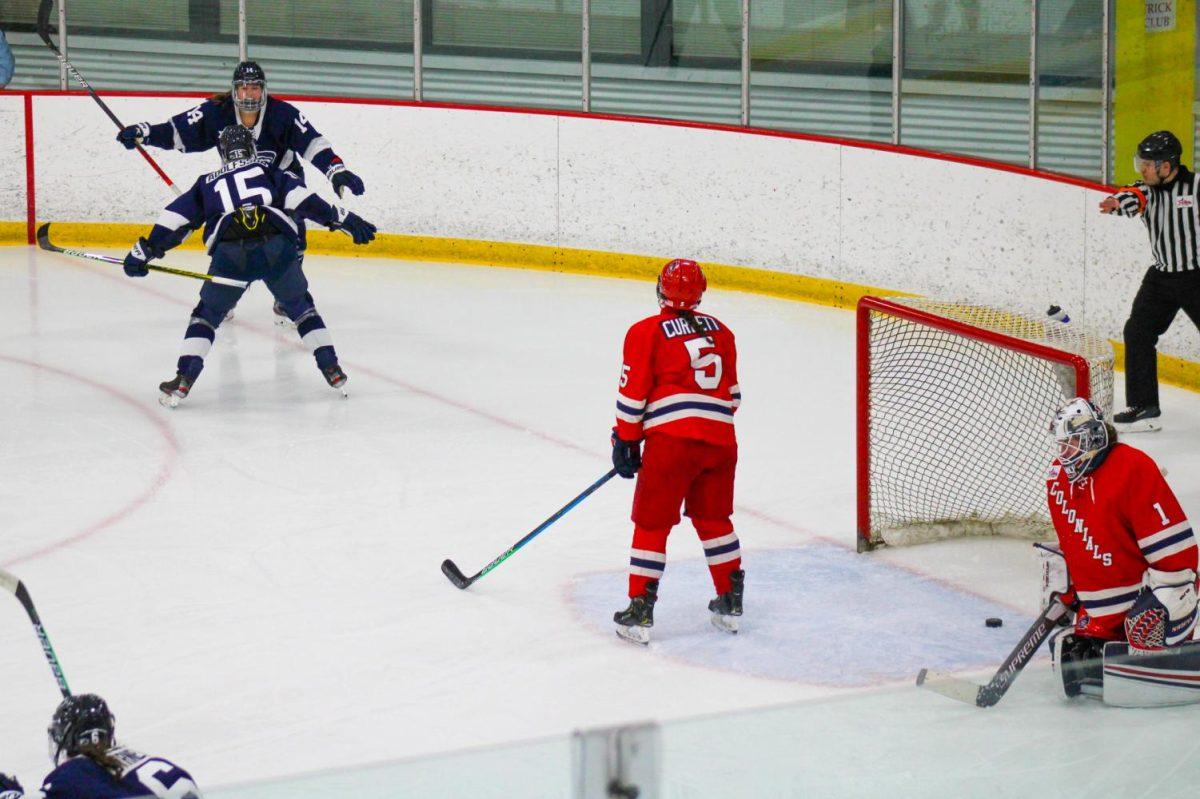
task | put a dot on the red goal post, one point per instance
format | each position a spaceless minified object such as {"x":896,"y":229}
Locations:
{"x":954,"y":402}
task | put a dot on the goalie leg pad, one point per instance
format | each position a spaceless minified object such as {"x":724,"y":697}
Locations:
{"x":1134,"y":678}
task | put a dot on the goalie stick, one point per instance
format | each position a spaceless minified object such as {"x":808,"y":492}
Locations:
{"x":17,"y":588}
{"x":43,"y":29}
{"x":455,"y":575}
{"x":1022,"y":653}
{"x":43,"y":240}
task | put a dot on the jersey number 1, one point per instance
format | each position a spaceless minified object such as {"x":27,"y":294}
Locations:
{"x":702,"y":363}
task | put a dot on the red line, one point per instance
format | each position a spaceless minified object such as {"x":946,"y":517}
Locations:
{"x":999,"y":166}
{"x":30,"y":204}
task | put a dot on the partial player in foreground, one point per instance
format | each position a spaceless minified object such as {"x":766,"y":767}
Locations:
{"x":1166,"y":198}
{"x":283,"y":135}
{"x":1127,"y":567}
{"x":247,"y":209}
{"x":678,"y":390}
{"x":88,"y":763}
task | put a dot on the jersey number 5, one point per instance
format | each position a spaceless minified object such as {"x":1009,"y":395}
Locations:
{"x":242,"y":192}
{"x":702,"y":363}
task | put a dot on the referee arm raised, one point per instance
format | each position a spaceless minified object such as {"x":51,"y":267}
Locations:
{"x":1165,"y":198}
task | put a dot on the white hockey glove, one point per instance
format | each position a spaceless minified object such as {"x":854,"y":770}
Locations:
{"x":1164,"y":613}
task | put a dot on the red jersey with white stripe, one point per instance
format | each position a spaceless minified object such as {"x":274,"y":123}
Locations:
{"x":678,"y":382}
{"x":1113,"y":524}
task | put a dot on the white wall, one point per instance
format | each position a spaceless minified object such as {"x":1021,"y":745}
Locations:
{"x":12,"y":156}
{"x":867,"y":216}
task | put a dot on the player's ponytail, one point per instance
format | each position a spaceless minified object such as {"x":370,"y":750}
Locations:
{"x":101,"y":754}
{"x":689,"y":316}
{"x":220,"y":98}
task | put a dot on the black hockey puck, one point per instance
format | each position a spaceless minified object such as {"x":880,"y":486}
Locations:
{"x":994,"y":622}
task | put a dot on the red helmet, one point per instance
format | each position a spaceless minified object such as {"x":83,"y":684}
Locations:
{"x":681,"y":284}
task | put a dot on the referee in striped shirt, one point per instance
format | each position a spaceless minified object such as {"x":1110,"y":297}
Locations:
{"x":1166,"y":199}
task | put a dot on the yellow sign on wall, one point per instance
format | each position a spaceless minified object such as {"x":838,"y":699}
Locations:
{"x":1155,"y":77}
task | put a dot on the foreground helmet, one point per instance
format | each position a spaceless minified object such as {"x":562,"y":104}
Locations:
{"x":236,"y":143}
{"x":249,"y":73}
{"x":680,"y":285}
{"x":1082,"y":436}
{"x":80,"y":722}
{"x":1160,"y":147}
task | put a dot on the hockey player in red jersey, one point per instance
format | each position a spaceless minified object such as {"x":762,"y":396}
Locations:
{"x":678,"y":391}
{"x":1128,"y":547}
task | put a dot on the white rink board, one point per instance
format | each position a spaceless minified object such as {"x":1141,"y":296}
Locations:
{"x":12,"y":155}
{"x":840,"y":212}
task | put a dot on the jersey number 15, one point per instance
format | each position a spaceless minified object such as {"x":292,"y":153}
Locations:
{"x":235,"y":190}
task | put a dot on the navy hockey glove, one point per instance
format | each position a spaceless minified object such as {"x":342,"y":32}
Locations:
{"x":10,"y":788}
{"x":343,"y":179}
{"x":359,"y":229}
{"x":134,"y":134}
{"x":141,"y":253}
{"x":626,"y":456}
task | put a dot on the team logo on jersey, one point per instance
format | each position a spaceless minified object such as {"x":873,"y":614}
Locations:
{"x":1185,"y":202}
{"x":1054,"y":470}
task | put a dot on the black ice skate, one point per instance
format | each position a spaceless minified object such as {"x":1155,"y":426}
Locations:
{"x":634,"y":623}
{"x":336,"y":378}
{"x":281,"y":317}
{"x":727,"y":608}
{"x":1138,"y":419}
{"x":172,"y":391}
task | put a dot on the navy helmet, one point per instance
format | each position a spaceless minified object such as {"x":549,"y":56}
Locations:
{"x":249,"y":73}
{"x":236,"y":143}
{"x":80,"y":722}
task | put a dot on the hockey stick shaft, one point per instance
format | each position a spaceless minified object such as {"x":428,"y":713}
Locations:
{"x":991,"y":693}
{"x":43,"y":29}
{"x":10,"y":583}
{"x":43,"y":238}
{"x":456,"y":576}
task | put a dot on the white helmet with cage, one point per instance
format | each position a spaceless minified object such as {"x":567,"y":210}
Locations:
{"x":1083,"y":437}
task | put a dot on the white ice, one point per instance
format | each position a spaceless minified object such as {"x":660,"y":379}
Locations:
{"x":252,"y":579}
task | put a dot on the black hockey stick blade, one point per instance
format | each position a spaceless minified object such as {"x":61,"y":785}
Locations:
{"x":455,"y":575}
{"x":43,"y":238}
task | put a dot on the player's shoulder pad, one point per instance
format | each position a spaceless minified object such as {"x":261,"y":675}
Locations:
{"x":280,"y":111}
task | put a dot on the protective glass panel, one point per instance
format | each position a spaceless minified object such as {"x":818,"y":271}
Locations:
{"x":682,"y":59}
{"x":514,"y":52}
{"x":355,"y":48}
{"x":1070,"y":95}
{"x":822,"y":66}
{"x":966,"y":77}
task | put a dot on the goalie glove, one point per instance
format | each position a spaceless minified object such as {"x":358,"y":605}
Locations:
{"x":1164,"y":612}
{"x":1055,"y":579}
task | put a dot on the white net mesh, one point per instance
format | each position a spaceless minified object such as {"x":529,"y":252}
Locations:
{"x":958,"y":426}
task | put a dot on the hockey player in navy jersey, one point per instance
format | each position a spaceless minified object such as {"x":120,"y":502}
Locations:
{"x":88,"y":763}
{"x":282,"y":134}
{"x":249,"y":211}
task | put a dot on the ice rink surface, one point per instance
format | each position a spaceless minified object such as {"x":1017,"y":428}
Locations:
{"x":252,"y":579}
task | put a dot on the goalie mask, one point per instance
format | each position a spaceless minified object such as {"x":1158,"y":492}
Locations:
{"x":80,"y":722}
{"x":680,"y":285}
{"x":1082,"y":436}
{"x":236,"y":143}
{"x":250,"y":76}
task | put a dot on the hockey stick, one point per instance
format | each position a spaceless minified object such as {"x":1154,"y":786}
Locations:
{"x":43,"y":239}
{"x":17,"y":588}
{"x":462,"y":581}
{"x":990,"y":694}
{"x":43,"y":29}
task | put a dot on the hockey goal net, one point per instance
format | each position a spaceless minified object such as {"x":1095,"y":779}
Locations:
{"x":954,"y":408}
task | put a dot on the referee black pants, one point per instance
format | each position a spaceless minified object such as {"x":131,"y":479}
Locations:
{"x":1158,"y":301}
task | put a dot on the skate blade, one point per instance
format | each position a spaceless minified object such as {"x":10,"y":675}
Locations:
{"x":1140,"y":426}
{"x":638,"y":635}
{"x":283,"y":321}
{"x":726,"y":624}
{"x":168,"y":400}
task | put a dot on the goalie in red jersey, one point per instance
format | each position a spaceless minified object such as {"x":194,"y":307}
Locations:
{"x":678,"y":391}
{"x":1128,"y":549}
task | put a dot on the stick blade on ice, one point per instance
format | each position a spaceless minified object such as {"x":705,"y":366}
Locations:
{"x":453,"y":573}
{"x":946,"y":685}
